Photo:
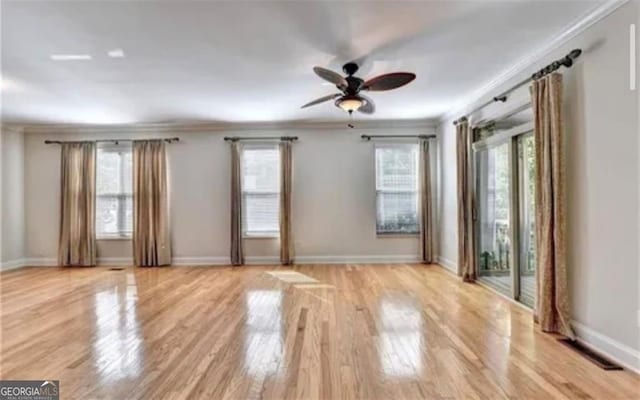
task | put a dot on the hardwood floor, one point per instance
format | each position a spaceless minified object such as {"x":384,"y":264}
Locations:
{"x":367,"y":332}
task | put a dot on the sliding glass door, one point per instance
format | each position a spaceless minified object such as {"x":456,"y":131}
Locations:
{"x":504,"y":223}
{"x":526,"y":234}
{"x":493,"y":222}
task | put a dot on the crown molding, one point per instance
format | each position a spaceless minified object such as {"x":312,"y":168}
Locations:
{"x":11,"y":128}
{"x":526,"y":64}
{"x":214,"y":126}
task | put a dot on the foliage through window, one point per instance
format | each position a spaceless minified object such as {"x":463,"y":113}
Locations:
{"x":114,"y":191}
{"x":261,"y":189}
{"x":397,"y":189}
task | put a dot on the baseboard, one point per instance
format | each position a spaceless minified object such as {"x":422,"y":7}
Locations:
{"x":200,"y":261}
{"x":603,"y":344}
{"x":448,"y":264}
{"x":358,"y":259}
{"x":249,"y":260}
{"x":13,"y":264}
{"x":115,"y":261}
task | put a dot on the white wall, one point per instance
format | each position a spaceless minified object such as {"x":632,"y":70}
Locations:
{"x":333,"y":198}
{"x":601,"y":125}
{"x":13,"y":219}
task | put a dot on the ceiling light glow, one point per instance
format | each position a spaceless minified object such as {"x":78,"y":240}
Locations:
{"x":116,"y":53}
{"x":70,"y":57}
{"x":350,"y":103}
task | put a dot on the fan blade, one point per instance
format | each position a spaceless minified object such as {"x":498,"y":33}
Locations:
{"x":330,"y":76}
{"x":388,"y":81}
{"x":321,"y":100}
{"x":368,"y":108}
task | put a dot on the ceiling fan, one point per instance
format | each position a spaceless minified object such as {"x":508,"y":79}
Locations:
{"x":350,"y":99}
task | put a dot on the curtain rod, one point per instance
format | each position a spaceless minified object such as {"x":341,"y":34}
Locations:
{"x":239,"y":138}
{"x":566,"y":61}
{"x":369,"y":137}
{"x":116,"y":141}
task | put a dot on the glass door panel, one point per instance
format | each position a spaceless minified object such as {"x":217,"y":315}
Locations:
{"x":493,"y":220}
{"x":526,"y":234}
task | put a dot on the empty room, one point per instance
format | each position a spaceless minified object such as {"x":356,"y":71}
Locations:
{"x":319,"y":200}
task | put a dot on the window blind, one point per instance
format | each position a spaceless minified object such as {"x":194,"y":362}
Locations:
{"x":114,"y":191}
{"x":397,"y":189}
{"x":261,"y":189}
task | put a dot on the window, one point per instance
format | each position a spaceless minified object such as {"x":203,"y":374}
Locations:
{"x":114,"y":188}
{"x":397,"y":189}
{"x":261,"y":190}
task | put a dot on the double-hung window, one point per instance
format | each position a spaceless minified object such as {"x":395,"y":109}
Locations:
{"x":397,"y":189}
{"x":114,"y":191}
{"x":261,"y":190}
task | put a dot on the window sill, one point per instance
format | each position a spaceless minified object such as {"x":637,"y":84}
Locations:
{"x":261,"y":236}
{"x":108,"y":238}
{"x":397,"y":235}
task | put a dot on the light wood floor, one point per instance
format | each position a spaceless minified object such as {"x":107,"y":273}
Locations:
{"x":367,"y":332}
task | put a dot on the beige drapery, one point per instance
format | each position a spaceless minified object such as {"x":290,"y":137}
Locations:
{"x":466,"y":246}
{"x":552,"y":303}
{"x":237,"y":253}
{"x":286,"y":238}
{"x":77,"y":242}
{"x":151,"y":236}
{"x":426,"y":204}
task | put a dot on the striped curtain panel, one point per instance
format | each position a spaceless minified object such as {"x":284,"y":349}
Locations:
{"x":237,"y":252}
{"x":151,"y":236}
{"x":77,"y":242}
{"x":286,"y":238}
{"x":466,"y":246}
{"x":552,"y":308}
{"x":426,"y":204}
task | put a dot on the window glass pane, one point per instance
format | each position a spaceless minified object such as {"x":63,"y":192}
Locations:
{"x":261,"y":169}
{"x":107,"y":215}
{"x":114,"y":188}
{"x":262,"y":213}
{"x":397,"y":168}
{"x":108,"y":177}
{"x":397,"y":213}
{"x":397,"y":189}
{"x":261,"y":189}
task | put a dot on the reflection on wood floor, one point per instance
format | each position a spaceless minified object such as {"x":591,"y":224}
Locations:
{"x":366,"y":332}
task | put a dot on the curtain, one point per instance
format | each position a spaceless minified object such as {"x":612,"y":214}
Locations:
{"x":151,"y":243}
{"x":237,"y":253}
{"x":466,"y":246}
{"x":426,"y":204}
{"x":286,"y":239}
{"x":77,"y":244}
{"x":552,"y":308}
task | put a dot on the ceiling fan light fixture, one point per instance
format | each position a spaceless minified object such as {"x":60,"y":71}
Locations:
{"x":350,"y":103}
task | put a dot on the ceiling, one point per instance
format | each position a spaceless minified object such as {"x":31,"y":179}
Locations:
{"x":252,"y":61}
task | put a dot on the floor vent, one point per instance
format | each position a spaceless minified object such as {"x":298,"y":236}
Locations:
{"x":116,"y":269}
{"x":591,"y":355}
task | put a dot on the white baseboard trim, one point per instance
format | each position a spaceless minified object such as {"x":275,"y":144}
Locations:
{"x":115,"y":261}
{"x":13,"y":264}
{"x":626,"y":356}
{"x":218,"y":260}
{"x":448,"y":264}
{"x":200,"y":261}
{"x":358,"y":259}
{"x":40,"y":262}
{"x":274,"y":260}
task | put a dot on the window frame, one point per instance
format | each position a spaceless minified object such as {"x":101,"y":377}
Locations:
{"x":388,"y":145}
{"x":121,"y":196}
{"x":246,"y":234}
